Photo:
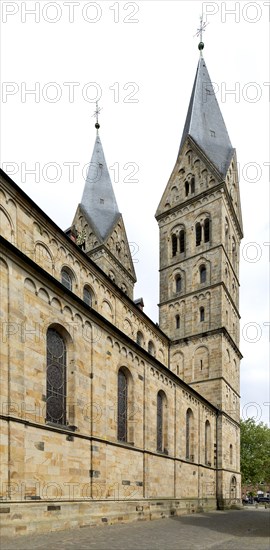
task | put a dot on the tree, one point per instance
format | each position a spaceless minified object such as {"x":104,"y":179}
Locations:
{"x":255,"y":452}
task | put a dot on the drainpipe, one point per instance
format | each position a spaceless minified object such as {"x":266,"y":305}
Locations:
{"x":217,"y":447}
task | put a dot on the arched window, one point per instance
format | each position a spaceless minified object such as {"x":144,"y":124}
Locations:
{"x":202,"y":274}
{"x":182,"y":241}
{"x":206,"y":230}
{"x":187,"y":188}
{"x":201,"y":314}
{"x":122,"y":415}
{"x":193,"y":185}
{"x":189,"y":436}
{"x":178,"y":283}
{"x":87,"y":296}
{"x":174,"y":245}
{"x":233,"y":486}
{"x":231,"y":454}
{"x":198,"y":229}
{"x":207,"y":443}
{"x":161,"y":422}
{"x":111,"y":275}
{"x":177,"y":321}
{"x":66,"y":278}
{"x":139,"y":338}
{"x":227,"y":233}
{"x":233,"y":252}
{"x":151,"y":347}
{"x":56,"y":378}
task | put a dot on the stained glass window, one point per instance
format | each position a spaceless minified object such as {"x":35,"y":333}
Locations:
{"x":66,"y":278}
{"x":87,"y":296}
{"x":159,"y":422}
{"x":207,"y":442}
{"x":56,"y":378}
{"x":122,"y":406}
{"x":189,"y":415}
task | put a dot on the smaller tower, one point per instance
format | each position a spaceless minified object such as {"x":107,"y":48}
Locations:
{"x":98,"y":226}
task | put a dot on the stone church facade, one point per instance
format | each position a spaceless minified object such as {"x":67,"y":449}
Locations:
{"x":105,"y":415}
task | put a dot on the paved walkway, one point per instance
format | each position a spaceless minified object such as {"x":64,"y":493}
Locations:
{"x":246,"y":529}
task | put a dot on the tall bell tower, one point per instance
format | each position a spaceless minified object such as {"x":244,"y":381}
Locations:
{"x":200,"y":226}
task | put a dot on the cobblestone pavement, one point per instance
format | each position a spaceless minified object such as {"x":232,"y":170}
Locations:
{"x":226,"y":530}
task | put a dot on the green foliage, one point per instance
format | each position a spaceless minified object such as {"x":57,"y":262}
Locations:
{"x":255,"y":452}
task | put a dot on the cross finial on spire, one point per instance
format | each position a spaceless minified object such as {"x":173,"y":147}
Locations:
{"x":199,"y":33}
{"x":96,"y":113}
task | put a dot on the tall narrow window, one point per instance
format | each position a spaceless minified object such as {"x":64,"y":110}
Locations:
{"x":198,"y":234}
{"x":122,"y":406}
{"x":231,"y":455}
{"x":177,"y":321}
{"x":66,"y":278}
{"x":233,"y":486}
{"x":151,"y":347}
{"x":189,"y":435}
{"x":139,"y":338}
{"x":207,"y":443}
{"x":202,"y":274}
{"x":193,"y":185}
{"x":182,"y":241}
{"x":226,"y":234}
{"x":174,"y":245}
{"x":187,"y":188}
{"x":206,"y":230}
{"x":201,"y":314}
{"x":233,"y":252}
{"x":87,"y":296}
{"x":56,"y":378}
{"x":159,"y":421}
{"x":178,"y":283}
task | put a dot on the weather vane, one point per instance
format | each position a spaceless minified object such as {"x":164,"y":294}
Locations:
{"x":199,"y":33}
{"x":96,"y":113}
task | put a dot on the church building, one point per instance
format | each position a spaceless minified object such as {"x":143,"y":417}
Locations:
{"x":105,"y":415}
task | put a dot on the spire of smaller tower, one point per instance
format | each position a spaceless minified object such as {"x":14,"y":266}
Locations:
{"x":98,"y":200}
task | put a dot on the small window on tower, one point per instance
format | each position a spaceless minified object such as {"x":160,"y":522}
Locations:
{"x":101,"y":201}
{"x":198,"y":234}
{"x":177,"y":321}
{"x":187,"y":188}
{"x":174,"y":245}
{"x":206,"y":230}
{"x":202,"y":274}
{"x":182,"y":241}
{"x":201,"y":314}
{"x":178,"y":283}
{"x":212,"y":133}
{"x":193,"y":185}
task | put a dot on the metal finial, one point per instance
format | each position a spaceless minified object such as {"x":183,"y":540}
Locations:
{"x":199,"y":33}
{"x":96,"y":113}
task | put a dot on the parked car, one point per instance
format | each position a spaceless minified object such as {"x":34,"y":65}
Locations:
{"x":263,"y":499}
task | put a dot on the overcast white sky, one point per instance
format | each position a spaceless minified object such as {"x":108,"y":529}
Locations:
{"x":142,"y":57}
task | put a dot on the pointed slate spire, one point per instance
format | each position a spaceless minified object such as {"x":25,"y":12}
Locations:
{"x":204,"y":122}
{"x":98,"y":200}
